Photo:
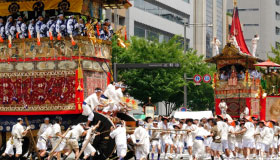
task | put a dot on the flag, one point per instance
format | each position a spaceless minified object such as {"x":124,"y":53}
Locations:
{"x":237,"y":32}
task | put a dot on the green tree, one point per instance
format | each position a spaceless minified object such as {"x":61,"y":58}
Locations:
{"x":276,"y":52}
{"x":163,"y":85}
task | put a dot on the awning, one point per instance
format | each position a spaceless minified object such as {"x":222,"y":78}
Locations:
{"x":267,"y":63}
{"x":193,"y":115}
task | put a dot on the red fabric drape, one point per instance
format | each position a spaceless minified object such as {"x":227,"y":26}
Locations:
{"x":108,"y":78}
{"x":263,"y":108}
{"x":218,"y":111}
{"x":237,"y":32}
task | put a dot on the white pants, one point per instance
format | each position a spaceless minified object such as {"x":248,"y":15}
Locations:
{"x":111,"y":108}
{"x":41,"y":144}
{"x":198,"y":148}
{"x":216,"y":146}
{"x":156,"y":143}
{"x":89,"y":149}
{"x":238,"y":144}
{"x":16,"y":144}
{"x":225,"y":144}
{"x":231,"y":146}
{"x":258,"y":145}
{"x":139,"y":153}
{"x":60,"y":147}
{"x":166,"y":140}
{"x":121,"y":150}
{"x":265,"y":147}
{"x":248,"y":143}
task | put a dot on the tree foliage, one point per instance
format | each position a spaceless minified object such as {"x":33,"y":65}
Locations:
{"x":276,"y":52}
{"x":164,"y":85}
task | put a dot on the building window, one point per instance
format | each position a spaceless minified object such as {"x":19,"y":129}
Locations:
{"x":188,"y":1}
{"x":139,"y":32}
{"x":121,"y":20}
{"x":277,"y":16}
{"x":242,"y":10}
{"x":277,"y":2}
{"x":152,"y":35}
{"x":250,"y":24}
{"x":277,"y":30}
{"x":178,"y":17}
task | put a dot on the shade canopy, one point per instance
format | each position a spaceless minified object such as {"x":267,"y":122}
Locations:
{"x":267,"y":63}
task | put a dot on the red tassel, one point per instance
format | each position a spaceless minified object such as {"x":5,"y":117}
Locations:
{"x":97,"y":30}
{"x":73,"y":41}
{"x":10,"y":44}
{"x":59,"y":36}
{"x":125,"y":35}
{"x":51,"y":36}
{"x":29,"y":35}
{"x":38,"y":40}
{"x":1,"y":39}
{"x":17,"y":35}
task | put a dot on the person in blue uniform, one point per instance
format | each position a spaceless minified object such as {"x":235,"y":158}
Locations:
{"x":31,"y":29}
{"x":2,"y":29}
{"x":41,"y":27}
{"x":81,"y":28}
{"x":51,"y":26}
{"x":10,"y":27}
{"x":60,"y":26}
{"x":21,"y":28}
{"x":72,"y":26}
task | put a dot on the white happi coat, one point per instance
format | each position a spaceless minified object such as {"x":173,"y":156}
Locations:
{"x":165,"y":138}
{"x":15,"y":140}
{"x":90,"y":103}
{"x":223,"y":107}
{"x":189,"y":137}
{"x":142,"y":142}
{"x":43,"y":128}
{"x":266,"y":135}
{"x":198,"y":145}
{"x":120,"y":138}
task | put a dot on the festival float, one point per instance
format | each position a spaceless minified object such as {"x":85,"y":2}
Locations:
{"x":51,"y":76}
{"x":241,"y":81}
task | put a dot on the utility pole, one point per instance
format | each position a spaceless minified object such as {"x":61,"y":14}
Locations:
{"x":185,"y":52}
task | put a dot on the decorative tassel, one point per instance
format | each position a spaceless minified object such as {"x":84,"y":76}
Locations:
{"x":1,"y":39}
{"x":72,"y":40}
{"x":59,"y":36}
{"x":38,"y":39}
{"x":10,"y":41}
{"x":51,"y":36}
{"x":97,"y":30}
{"x":17,"y":35}
{"x":125,"y":34}
{"x":29,"y":35}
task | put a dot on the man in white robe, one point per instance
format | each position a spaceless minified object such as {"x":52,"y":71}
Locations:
{"x":142,"y":142}
{"x":255,"y":44}
{"x":119,"y":134}
{"x":90,"y":104}
{"x":216,"y":44}
{"x":223,"y":107}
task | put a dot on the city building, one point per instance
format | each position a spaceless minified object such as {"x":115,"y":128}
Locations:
{"x":209,"y":22}
{"x":262,"y":18}
{"x":156,"y":19}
